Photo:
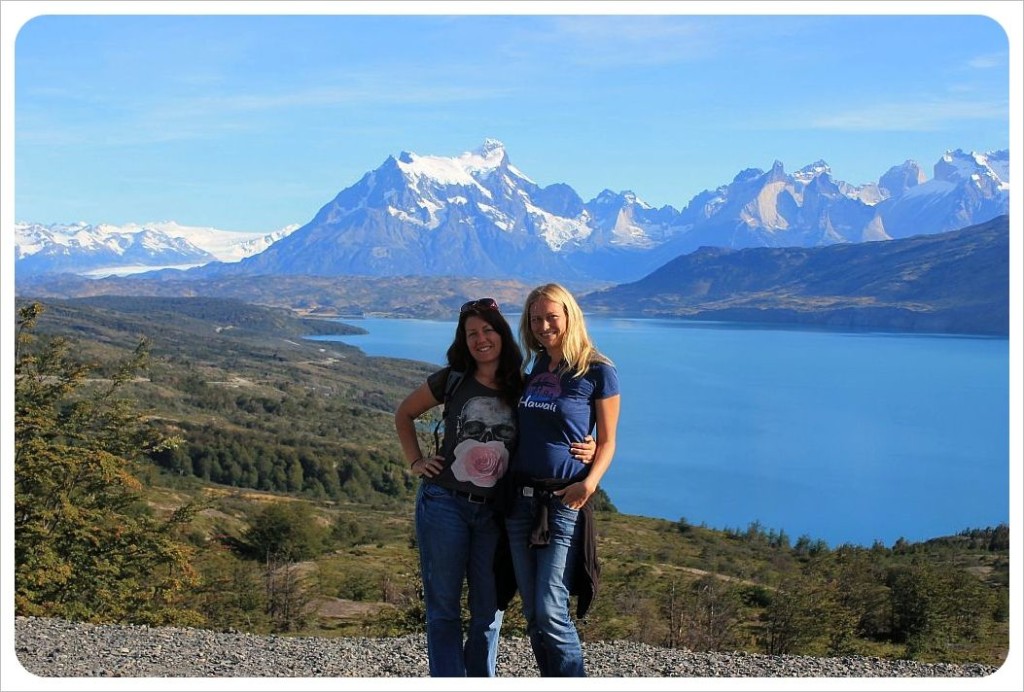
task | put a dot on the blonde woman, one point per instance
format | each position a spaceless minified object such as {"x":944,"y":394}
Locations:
{"x":570,"y":389}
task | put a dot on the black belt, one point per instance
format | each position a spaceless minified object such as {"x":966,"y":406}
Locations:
{"x":475,"y":499}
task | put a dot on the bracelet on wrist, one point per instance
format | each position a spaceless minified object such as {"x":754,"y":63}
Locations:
{"x":413,"y":462}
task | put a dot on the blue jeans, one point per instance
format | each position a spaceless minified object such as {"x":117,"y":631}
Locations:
{"x":457,"y":542}
{"x":544,"y":576}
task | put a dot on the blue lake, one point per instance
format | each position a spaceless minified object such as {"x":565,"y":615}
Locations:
{"x":845,"y":437}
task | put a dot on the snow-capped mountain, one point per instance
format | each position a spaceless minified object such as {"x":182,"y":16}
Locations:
{"x":105,"y":249}
{"x":966,"y":189}
{"x":225,"y":246}
{"x":809,"y":208}
{"x":476,"y":214}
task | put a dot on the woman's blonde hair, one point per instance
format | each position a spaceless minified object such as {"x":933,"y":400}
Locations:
{"x":578,"y":350}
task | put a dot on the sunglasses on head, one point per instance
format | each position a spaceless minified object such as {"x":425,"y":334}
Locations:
{"x":479,"y":305}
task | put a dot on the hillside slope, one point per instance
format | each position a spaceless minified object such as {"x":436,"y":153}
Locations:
{"x":955,"y":282}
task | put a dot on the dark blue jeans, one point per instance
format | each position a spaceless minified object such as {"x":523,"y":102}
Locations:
{"x":457,"y":541}
{"x":544,"y":576}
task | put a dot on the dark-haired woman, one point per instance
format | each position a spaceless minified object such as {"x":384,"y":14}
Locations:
{"x":457,"y":528}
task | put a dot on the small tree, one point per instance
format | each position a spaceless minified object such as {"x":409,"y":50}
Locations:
{"x":288,"y":595}
{"x":283,"y":534}
{"x":86,"y":548}
{"x":710,"y":615}
{"x":789,"y":619}
{"x":285,"y":530}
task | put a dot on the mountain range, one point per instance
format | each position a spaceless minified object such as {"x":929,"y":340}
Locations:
{"x":951,"y":282}
{"x":106,"y":249}
{"x":478,"y":215}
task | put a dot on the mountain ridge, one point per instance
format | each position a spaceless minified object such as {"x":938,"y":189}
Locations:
{"x":428,"y":215}
{"x":106,"y":249}
{"x":477,"y":214}
{"x":954,"y":282}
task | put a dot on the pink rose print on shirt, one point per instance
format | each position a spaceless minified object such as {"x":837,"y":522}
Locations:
{"x":480,"y":463}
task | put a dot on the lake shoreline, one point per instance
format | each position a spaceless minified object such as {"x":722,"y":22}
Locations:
{"x":767,"y":422}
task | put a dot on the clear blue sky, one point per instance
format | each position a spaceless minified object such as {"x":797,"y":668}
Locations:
{"x":250,"y":123}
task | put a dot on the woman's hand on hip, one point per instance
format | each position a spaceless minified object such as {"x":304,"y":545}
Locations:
{"x":428,"y":466}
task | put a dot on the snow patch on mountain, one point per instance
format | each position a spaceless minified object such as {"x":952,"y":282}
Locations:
{"x":930,"y":188}
{"x":981,"y":169}
{"x":812,"y":171}
{"x":226,"y":246}
{"x":496,"y":216}
{"x":437,"y":169}
{"x":627,"y":232}
{"x":557,"y":231}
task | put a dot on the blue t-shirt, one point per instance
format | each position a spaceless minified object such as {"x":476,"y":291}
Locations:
{"x":555,"y":410}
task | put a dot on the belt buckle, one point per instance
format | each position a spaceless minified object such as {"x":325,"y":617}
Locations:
{"x":476,"y":499}
{"x":527,"y":491}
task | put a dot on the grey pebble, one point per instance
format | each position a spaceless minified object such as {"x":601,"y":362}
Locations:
{"x":58,"y":648}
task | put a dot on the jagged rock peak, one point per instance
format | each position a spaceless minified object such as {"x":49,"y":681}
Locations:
{"x":748,"y":174}
{"x":813,"y":170}
{"x":899,"y":179}
{"x":956,"y":165}
{"x":777,"y":173}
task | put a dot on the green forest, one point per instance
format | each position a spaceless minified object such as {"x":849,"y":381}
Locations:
{"x":196,"y":461}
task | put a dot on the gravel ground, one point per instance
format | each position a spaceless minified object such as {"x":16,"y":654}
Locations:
{"x":57,"y":648}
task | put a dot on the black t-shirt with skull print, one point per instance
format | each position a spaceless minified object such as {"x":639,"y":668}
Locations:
{"x":479,"y":435}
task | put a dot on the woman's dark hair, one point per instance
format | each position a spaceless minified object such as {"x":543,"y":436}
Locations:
{"x":509,"y":375}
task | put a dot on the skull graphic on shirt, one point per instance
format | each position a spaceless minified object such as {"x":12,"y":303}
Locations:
{"x":486,"y":426}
